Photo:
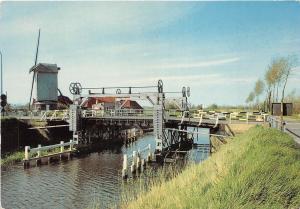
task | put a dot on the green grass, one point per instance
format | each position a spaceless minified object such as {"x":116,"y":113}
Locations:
{"x":12,"y":158}
{"x":257,"y":169}
{"x":292,"y":117}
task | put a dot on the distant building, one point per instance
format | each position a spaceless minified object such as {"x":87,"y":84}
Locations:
{"x":45,"y":85}
{"x":106,"y":103}
{"x":287,"y":109}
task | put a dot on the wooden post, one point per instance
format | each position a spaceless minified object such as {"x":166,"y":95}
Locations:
{"x":247,"y":117}
{"x":124,"y":170}
{"x":39,"y":152}
{"x":132,"y":169}
{"x":138,"y":162}
{"x":230,"y":118}
{"x":142,"y":165}
{"x":27,"y":150}
{"x":61,"y":146}
{"x":37,"y":163}
{"x":71,"y":145}
{"x":134,"y":158}
{"x":149,"y":157}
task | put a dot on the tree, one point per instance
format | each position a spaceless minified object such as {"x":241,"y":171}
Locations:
{"x":258,"y":90}
{"x":250,"y":98}
{"x":270,"y":81}
{"x":274,"y":76}
{"x":287,"y":65}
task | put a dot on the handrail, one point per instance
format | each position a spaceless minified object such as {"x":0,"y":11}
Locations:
{"x":44,"y":148}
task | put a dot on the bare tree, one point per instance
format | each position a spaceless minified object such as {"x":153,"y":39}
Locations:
{"x":287,"y":65}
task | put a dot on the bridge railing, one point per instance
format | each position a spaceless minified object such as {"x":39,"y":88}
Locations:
{"x":117,"y":113}
{"x":231,"y":117}
{"x":54,"y":115}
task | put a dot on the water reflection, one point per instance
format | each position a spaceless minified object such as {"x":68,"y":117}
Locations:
{"x":72,"y":184}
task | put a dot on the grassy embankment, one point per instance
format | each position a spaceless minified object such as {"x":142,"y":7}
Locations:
{"x":257,"y":169}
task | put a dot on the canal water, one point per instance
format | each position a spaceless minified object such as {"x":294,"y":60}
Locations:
{"x":75,"y":184}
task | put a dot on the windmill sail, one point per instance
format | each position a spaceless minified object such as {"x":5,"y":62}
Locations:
{"x":35,"y":62}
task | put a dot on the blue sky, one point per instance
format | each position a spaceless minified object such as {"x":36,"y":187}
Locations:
{"x":219,"y":49}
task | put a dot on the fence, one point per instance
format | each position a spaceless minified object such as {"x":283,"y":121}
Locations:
{"x":30,"y":151}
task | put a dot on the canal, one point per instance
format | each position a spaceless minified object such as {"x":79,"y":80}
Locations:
{"x":78,"y":183}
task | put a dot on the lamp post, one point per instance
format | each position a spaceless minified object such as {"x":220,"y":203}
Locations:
{"x":1,"y":73}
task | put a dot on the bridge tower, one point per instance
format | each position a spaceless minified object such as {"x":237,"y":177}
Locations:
{"x":158,"y":118}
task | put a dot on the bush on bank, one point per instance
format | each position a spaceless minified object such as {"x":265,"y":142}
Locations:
{"x":257,"y":169}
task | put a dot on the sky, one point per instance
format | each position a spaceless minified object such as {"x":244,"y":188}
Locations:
{"x":218,"y":49}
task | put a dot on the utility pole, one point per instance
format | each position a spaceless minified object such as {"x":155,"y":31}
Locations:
{"x":1,"y":73}
{"x":3,"y":96}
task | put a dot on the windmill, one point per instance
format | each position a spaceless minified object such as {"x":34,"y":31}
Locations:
{"x":35,"y":62}
{"x":45,"y":77}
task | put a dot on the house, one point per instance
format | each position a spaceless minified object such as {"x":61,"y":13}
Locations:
{"x":107,"y":103}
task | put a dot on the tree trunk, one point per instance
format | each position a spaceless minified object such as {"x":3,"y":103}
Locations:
{"x":282,"y":98}
{"x":277,"y":92}
{"x":273,"y":94}
{"x":270,"y":105}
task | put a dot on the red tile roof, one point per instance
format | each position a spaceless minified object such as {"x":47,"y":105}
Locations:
{"x":93,"y":100}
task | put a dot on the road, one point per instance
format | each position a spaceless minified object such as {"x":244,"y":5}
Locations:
{"x":293,"y":128}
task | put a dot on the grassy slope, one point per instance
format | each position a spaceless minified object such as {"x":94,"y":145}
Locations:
{"x":258,"y":169}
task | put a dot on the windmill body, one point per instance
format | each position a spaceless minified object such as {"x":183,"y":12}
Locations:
{"x":46,"y":85}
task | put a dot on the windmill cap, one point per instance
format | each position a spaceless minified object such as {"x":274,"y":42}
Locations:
{"x":45,"y":67}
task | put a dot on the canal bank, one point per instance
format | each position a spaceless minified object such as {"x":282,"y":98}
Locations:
{"x":257,"y":169}
{"x":16,"y":134}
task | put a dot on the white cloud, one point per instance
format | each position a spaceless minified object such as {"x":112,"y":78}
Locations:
{"x":199,"y":64}
{"x":82,"y":19}
{"x":205,"y":79}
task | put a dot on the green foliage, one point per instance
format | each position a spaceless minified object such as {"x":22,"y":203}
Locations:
{"x":259,"y":87}
{"x":213,"y":107}
{"x":12,"y":158}
{"x":258,"y":169}
{"x":250,"y":97}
